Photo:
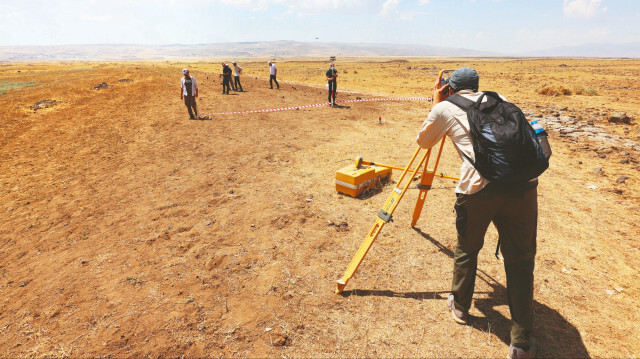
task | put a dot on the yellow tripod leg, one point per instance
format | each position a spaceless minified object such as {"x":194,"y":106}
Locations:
{"x":384,"y":216}
{"x":425,"y":185}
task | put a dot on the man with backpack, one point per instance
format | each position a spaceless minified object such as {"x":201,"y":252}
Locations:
{"x":506,"y":196}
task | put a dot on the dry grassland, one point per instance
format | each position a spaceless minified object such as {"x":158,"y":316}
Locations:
{"x":128,"y":230}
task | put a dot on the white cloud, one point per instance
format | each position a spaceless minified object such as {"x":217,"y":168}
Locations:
{"x":389,"y":7}
{"x":255,"y":5}
{"x":101,"y":19}
{"x":307,"y":7}
{"x":583,"y":9}
{"x":390,"y":11}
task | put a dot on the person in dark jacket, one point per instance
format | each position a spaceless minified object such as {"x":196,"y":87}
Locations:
{"x":226,"y":78}
{"x":332,"y":75}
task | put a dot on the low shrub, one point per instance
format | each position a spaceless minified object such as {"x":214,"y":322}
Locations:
{"x":550,"y":90}
{"x":587,"y":91}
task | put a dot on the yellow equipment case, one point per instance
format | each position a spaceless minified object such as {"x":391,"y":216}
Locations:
{"x":354,"y":180}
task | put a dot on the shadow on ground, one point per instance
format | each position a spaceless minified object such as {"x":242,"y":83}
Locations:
{"x":554,"y":335}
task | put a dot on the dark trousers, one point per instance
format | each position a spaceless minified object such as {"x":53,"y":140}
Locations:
{"x":190,"y":102}
{"x":236,"y":83}
{"x":514,"y":212}
{"x":226,"y":84}
{"x":333,"y":87}
{"x":271,"y":79}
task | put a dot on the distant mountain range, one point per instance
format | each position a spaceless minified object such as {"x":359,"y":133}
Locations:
{"x":283,"y":49}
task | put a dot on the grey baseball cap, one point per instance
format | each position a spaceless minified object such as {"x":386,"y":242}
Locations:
{"x":464,"y":78}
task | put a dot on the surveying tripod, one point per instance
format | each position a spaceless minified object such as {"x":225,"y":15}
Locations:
{"x":386,"y":212}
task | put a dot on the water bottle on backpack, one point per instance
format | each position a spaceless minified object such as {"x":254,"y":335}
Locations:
{"x":542,"y":138}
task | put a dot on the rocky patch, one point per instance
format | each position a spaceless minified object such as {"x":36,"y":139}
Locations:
{"x":102,"y":86}
{"x":43,"y":104}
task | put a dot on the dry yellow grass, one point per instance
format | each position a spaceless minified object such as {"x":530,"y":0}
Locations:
{"x":129,"y":230}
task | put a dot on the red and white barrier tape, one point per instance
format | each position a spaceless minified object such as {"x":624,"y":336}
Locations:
{"x":322,"y":104}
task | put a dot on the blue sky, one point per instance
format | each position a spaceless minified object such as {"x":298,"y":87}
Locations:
{"x":489,"y":25}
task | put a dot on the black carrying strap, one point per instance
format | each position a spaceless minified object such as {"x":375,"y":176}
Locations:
{"x":461,"y":101}
{"x":466,"y":104}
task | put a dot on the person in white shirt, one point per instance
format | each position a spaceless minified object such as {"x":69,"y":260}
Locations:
{"x":512,"y":208}
{"x":272,"y":74}
{"x":237,"y":70}
{"x":189,"y":92}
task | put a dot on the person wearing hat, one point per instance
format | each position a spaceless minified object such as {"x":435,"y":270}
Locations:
{"x":237,"y":70}
{"x":512,"y":208}
{"x":272,"y":74}
{"x":189,"y":92}
{"x":332,"y":75}
{"x":226,"y":78}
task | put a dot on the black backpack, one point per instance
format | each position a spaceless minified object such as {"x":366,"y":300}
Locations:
{"x":505,"y":144}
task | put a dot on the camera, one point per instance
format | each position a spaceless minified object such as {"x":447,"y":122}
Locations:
{"x":446,"y":77}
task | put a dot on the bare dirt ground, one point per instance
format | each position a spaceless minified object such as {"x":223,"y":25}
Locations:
{"x":128,"y":230}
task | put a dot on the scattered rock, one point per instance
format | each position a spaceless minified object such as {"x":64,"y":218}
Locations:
{"x":43,"y":104}
{"x":620,"y":118}
{"x":279,"y":339}
{"x":598,"y":170}
{"x":341,"y":227}
{"x":622,"y":179}
{"x":124,"y":80}
{"x":102,"y":86}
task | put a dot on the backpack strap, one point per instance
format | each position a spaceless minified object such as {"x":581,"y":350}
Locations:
{"x":465,"y":104}
{"x":460,"y":101}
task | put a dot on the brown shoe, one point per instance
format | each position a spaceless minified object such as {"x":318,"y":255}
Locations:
{"x":520,"y":353}
{"x":458,"y":315}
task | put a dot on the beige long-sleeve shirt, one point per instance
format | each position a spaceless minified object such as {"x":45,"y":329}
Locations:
{"x":448,"y":119}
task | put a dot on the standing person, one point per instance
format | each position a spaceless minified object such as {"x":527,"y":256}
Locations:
{"x":237,"y":70}
{"x":189,"y":92}
{"x":272,"y":75}
{"x":332,"y":86}
{"x":513,"y":208}
{"x":226,"y":78}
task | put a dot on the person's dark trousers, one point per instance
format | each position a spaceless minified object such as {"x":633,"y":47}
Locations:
{"x":226,"y":84}
{"x":333,"y":87}
{"x":236,"y":83}
{"x":514,"y":211}
{"x":272,"y":78}
{"x":190,"y":102}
